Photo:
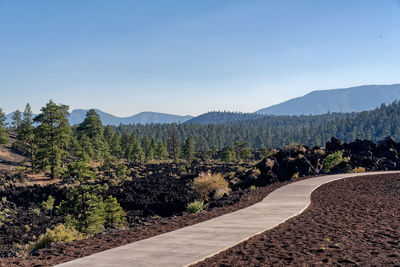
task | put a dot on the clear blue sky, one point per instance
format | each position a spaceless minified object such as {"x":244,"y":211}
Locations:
{"x":190,"y":57}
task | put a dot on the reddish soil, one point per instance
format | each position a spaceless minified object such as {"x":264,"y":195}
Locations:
{"x":62,"y":252}
{"x":352,"y":222}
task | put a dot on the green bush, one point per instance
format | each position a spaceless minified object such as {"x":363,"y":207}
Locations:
{"x":332,"y":160}
{"x":80,"y":170}
{"x":122,"y":171}
{"x":48,"y":205}
{"x":85,"y":209}
{"x":60,"y":233}
{"x":196,"y":206}
{"x":115,"y":216}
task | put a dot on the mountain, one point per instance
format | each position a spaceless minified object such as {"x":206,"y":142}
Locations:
{"x":78,"y":115}
{"x":217,"y":117}
{"x":352,"y":99}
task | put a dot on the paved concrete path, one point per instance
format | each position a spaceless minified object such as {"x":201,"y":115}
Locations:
{"x":194,"y":243}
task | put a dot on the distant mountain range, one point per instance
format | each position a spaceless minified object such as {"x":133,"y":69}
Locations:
{"x":352,"y":99}
{"x":78,"y":115}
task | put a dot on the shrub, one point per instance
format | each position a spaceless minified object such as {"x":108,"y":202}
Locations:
{"x":206,"y":184}
{"x":359,"y":169}
{"x":85,"y":209}
{"x":115,"y":216}
{"x":196,"y":206}
{"x":332,"y":160}
{"x":48,"y":205}
{"x":80,"y":170}
{"x":122,"y":171}
{"x":60,"y":233}
{"x":36,"y":211}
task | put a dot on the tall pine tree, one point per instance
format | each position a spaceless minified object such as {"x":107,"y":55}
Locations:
{"x":3,"y":132}
{"x":52,"y":137}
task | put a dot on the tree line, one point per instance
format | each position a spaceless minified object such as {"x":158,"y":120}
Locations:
{"x":50,"y":143}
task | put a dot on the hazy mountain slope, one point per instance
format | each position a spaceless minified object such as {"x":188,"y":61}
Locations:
{"x":352,"y":99}
{"x":217,"y":117}
{"x":78,"y":115}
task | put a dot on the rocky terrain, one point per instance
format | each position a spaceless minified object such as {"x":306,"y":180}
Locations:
{"x":163,"y":190}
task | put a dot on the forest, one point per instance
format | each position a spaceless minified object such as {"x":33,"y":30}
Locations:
{"x":48,"y":141}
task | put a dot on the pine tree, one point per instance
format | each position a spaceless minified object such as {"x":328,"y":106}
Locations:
{"x":16,"y":121}
{"x":93,"y":128}
{"x":173,"y":144}
{"x":188,"y":150}
{"x":3,"y":132}
{"x":52,"y":137}
{"x":161,"y":151}
{"x":25,"y":136}
{"x":113,"y":140}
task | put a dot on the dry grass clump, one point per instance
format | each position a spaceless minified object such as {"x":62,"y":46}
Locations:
{"x":207,"y":184}
{"x":60,"y":233}
{"x":359,"y":169}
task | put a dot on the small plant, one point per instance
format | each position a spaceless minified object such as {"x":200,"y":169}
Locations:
{"x":295,"y":176}
{"x":196,"y":206}
{"x":207,"y":183}
{"x":253,"y":187}
{"x":359,"y":169}
{"x":36,"y":211}
{"x":60,"y":233}
{"x":4,"y":200}
{"x":336,"y":245}
{"x":332,"y":160}
{"x":48,"y":205}
{"x":255,"y":173}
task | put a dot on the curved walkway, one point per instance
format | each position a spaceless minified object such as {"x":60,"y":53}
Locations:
{"x":194,"y":243}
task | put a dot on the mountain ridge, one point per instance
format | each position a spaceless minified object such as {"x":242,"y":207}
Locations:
{"x":78,"y":115}
{"x":351,"y":99}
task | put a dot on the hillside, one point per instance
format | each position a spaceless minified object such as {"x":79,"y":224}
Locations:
{"x":78,"y":115}
{"x":216,"y":117}
{"x":278,"y":131}
{"x":352,"y":99}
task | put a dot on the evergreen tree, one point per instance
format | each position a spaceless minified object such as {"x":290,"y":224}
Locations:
{"x":93,"y":128}
{"x":113,"y":140}
{"x":161,"y":151}
{"x":173,"y":144}
{"x":188,"y":150}
{"x":147,"y":149}
{"x":228,"y":154}
{"x":25,"y":136}
{"x":3,"y":132}
{"x":16,"y":121}
{"x":52,"y":137}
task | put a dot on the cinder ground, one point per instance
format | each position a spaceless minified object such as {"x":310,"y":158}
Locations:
{"x":192,"y":244}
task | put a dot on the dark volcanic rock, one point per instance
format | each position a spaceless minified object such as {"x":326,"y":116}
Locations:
{"x":334,"y":144}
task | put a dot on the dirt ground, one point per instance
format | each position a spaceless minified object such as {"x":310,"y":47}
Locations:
{"x":352,"y":222}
